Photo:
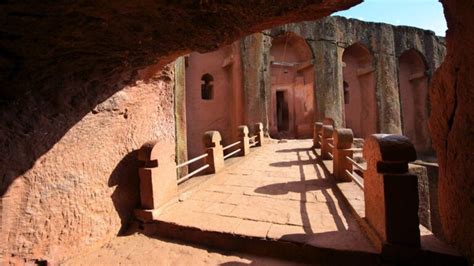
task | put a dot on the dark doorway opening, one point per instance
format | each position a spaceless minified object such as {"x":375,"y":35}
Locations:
{"x":282,"y":111}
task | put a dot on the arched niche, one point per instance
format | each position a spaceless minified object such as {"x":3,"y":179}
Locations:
{"x":359,"y":90}
{"x":292,"y":87}
{"x":413,"y":82}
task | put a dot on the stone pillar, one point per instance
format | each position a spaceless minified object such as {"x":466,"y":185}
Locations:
{"x":255,"y":53}
{"x":326,"y":136}
{"x":244,"y":140}
{"x":328,"y":82}
{"x":316,"y":131}
{"x":343,"y":138}
{"x":387,"y":94}
{"x":259,"y":134}
{"x":391,"y":193}
{"x":180,"y":115}
{"x":215,"y":152}
{"x":158,"y":180}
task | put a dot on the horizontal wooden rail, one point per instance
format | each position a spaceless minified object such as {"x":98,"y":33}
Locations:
{"x":330,"y":155}
{"x":355,"y":179}
{"x":330,"y":145}
{"x":192,"y":160}
{"x":254,"y":144}
{"x":358,"y":166}
{"x":232,"y":153}
{"x":188,"y":176}
{"x":231,"y":145}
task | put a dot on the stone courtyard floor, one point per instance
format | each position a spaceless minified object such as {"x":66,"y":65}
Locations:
{"x":277,"y":192}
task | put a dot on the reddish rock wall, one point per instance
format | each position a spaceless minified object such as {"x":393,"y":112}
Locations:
{"x":223,"y":112}
{"x":83,"y":190}
{"x":330,"y":37}
{"x":452,"y":126}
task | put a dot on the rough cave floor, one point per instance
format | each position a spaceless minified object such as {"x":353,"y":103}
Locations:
{"x":280,"y":200}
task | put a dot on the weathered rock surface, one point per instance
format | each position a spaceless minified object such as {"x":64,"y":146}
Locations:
{"x":452,"y":126}
{"x":83,"y":190}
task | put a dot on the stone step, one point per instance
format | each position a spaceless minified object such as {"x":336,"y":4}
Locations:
{"x":287,"y":249}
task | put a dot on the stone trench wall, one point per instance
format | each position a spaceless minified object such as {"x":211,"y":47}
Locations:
{"x":452,"y":126}
{"x":328,"y":37}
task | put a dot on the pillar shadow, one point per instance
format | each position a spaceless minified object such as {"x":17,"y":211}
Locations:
{"x":293,"y":150}
{"x":126,"y":196}
{"x":339,"y":197}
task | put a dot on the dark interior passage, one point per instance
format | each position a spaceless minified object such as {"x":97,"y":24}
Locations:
{"x":282,"y":111}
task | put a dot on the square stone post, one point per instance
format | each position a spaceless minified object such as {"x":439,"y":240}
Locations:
{"x":343,"y":138}
{"x":158,"y":179}
{"x":214,"y":149}
{"x":391,"y":193}
{"x":244,"y":140}
{"x":259,"y":134}
{"x":317,"y":126}
{"x":326,"y":137}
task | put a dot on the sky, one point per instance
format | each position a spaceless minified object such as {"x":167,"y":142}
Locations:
{"x":425,"y":14}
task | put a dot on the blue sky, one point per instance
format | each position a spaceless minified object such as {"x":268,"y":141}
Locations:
{"x":425,"y":14}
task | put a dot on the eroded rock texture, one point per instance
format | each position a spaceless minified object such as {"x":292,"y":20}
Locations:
{"x":82,"y":89}
{"x":452,"y":126}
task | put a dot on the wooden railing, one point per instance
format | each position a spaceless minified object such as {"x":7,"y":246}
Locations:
{"x":158,"y":173}
{"x":216,"y":154}
{"x":195,"y":172}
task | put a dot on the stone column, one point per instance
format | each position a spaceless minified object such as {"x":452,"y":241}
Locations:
{"x":244,"y":140}
{"x":343,"y":138}
{"x":158,"y":180}
{"x":326,"y":135}
{"x":255,"y":55}
{"x":391,"y":193}
{"x":259,"y":134}
{"x":316,"y":131}
{"x":180,"y":115}
{"x":214,"y":149}
{"x":328,"y":83}
{"x":387,"y":93}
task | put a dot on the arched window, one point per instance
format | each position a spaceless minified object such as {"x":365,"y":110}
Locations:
{"x":207,"y":88}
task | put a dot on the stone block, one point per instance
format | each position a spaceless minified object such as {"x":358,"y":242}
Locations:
{"x":390,"y":192}
{"x":158,"y":180}
{"x":244,"y":140}
{"x":215,"y":159}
